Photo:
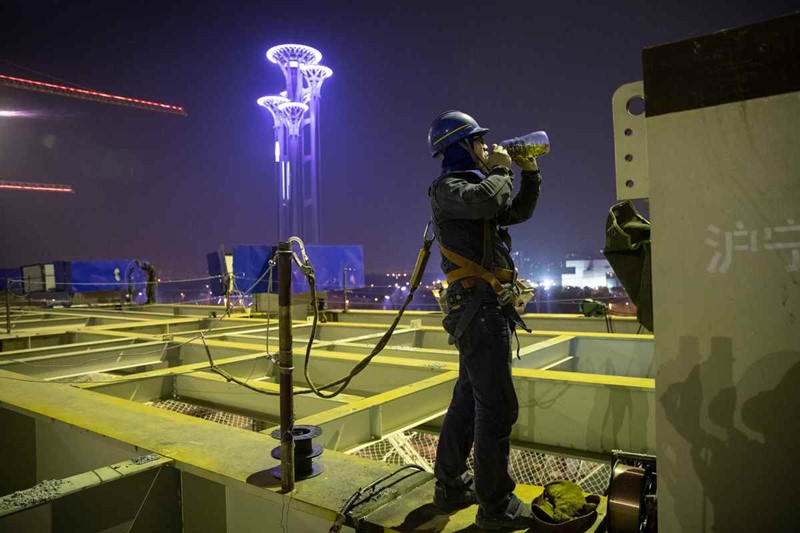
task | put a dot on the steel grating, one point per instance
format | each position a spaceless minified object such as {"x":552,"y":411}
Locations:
{"x":526,"y":466}
{"x":212,"y":415}
{"x":584,"y":374}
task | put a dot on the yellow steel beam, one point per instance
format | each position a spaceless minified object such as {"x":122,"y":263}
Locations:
{"x":220,"y":453}
{"x":374,"y":417}
{"x":28,"y":499}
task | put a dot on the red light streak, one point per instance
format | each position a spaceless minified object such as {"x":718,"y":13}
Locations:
{"x":45,"y":187}
{"x":21,"y":83}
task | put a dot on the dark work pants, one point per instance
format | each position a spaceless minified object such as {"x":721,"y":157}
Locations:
{"x":483,"y":408}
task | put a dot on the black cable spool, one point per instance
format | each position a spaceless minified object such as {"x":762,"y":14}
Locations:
{"x":304,"y":452}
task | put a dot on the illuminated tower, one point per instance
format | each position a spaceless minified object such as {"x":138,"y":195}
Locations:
{"x":295,"y":115}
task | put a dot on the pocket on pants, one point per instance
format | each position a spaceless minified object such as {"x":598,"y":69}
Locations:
{"x":493,"y":321}
{"x":450,"y":324}
{"x":450,"y":321}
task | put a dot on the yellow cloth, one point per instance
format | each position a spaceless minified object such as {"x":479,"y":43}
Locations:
{"x":564,"y":500}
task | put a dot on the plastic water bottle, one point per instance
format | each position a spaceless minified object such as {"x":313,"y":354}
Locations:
{"x":533,"y":144}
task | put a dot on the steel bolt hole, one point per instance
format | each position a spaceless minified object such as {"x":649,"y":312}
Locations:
{"x":635,"y":106}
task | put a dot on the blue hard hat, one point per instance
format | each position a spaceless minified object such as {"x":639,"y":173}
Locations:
{"x":449,"y":128}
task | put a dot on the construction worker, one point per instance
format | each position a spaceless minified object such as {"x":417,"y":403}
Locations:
{"x":130,"y":269}
{"x":152,"y":281}
{"x":471,"y":202}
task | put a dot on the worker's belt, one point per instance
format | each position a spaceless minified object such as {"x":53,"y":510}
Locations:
{"x":469,"y":272}
{"x":472,"y":299}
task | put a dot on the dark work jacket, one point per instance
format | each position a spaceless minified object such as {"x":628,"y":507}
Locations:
{"x":462,"y":200}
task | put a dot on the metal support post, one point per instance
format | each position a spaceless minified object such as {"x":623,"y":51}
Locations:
{"x":285,"y":365}
{"x":8,"y":307}
{"x":226,"y":279}
{"x":345,"y":305}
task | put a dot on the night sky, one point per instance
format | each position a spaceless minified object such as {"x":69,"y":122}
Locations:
{"x":171,"y":189}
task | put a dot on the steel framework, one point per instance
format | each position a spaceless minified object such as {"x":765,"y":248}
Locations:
{"x":109,"y":384}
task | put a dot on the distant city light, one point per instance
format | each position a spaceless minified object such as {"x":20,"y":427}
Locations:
{"x":386,"y":297}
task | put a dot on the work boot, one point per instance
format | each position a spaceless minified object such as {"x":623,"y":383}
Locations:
{"x":451,"y":498}
{"x":518,"y":515}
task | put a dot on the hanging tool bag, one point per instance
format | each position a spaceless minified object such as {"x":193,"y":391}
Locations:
{"x":628,"y":251}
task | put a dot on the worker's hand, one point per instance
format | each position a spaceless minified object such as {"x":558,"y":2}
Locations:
{"x":526,"y":164}
{"x":498,"y":158}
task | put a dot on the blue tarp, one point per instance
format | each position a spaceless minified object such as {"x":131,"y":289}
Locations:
{"x":216,"y":269}
{"x":11,"y":274}
{"x":63,"y":275}
{"x":87,"y":276}
{"x":107,"y":275}
{"x":250,"y":265}
{"x":329,"y":264}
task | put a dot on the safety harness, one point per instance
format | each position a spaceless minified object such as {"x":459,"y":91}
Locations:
{"x":469,"y":273}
